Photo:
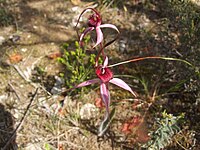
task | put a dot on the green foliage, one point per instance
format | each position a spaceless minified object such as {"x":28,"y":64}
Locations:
{"x":49,"y":147}
{"x":167,"y":128}
{"x":187,"y":16}
{"x":5,"y":16}
{"x":78,"y":64}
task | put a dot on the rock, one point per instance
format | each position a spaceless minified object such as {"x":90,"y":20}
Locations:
{"x":24,"y":49}
{"x":57,"y":88}
{"x":3,"y":98}
{"x":88,"y":111}
{"x":122,"y":45}
{"x":197,"y":2}
{"x":2,"y":40}
{"x":14,"y":38}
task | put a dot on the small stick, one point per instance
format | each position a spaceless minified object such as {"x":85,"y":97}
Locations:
{"x":21,"y":73}
{"x":28,"y":80}
{"x":12,"y":87}
{"x":21,"y":122}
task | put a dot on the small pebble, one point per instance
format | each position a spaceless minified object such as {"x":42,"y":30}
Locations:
{"x":14,"y":38}
{"x":2,"y":40}
{"x":24,"y":49}
{"x":88,"y":111}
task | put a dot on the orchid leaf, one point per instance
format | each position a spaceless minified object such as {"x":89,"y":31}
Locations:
{"x":152,"y":57}
{"x":106,"y":122}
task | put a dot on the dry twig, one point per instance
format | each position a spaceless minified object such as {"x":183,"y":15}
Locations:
{"x":13,"y":89}
{"x":21,"y":122}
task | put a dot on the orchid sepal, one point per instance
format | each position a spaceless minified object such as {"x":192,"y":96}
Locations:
{"x":122,"y":84}
{"x":86,"y":83}
{"x":99,"y":36}
{"x":87,"y":30}
{"x":109,"y":26}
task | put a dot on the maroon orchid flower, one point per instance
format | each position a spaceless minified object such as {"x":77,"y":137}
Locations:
{"x":94,"y":23}
{"x":105,"y":76}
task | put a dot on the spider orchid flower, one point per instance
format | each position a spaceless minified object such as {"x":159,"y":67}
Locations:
{"x":94,"y":23}
{"x":105,"y":76}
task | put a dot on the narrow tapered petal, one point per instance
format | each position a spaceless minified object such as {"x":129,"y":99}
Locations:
{"x":105,"y":95}
{"x":109,"y":26}
{"x":85,"y":32}
{"x":88,"y":82}
{"x":99,"y":36}
{"x":122,"y":84}
{"x":105,"y":63}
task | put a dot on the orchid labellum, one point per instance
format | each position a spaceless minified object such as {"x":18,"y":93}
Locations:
{"x":105,"y":76}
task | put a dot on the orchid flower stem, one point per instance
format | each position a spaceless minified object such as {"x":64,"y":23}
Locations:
{"x":98,"y":55}
{"x":152,"y":57}
{"x":107,"y":44}
{"x":103,"y":54}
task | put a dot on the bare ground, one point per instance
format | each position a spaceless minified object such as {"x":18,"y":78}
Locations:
{"x":43,"y":26}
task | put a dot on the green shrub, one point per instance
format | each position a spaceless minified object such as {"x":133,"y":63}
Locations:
{"x":78,"y":65}
{"x":167,"y":127}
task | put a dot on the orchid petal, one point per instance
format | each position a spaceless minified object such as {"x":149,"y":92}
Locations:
{"x":105,"y":94}
{"x":109,"y":26}
{"x":88,"y":82}
{"x":122,"y":84}
{"x":85,"y":32}
{"x":105,"y":63}
{"x":99,"y":36}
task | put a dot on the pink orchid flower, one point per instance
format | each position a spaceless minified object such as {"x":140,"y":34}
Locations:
{"x":94,"y":22}
{"x":105,"y":76}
